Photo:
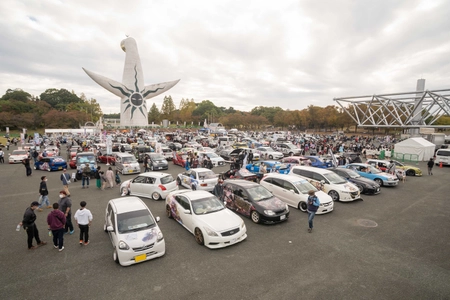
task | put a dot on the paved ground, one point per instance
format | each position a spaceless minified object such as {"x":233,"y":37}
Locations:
{"x":406,"y":256}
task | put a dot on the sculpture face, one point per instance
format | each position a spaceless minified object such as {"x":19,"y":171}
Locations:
{"x":136,"y":99}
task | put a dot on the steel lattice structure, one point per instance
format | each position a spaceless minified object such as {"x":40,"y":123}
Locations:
{"x":404,"y":110}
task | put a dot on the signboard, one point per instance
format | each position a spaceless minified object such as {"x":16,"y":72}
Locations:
{"x":424,"y":130}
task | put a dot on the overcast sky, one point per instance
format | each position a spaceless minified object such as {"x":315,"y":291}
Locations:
{"x":234,"y":53}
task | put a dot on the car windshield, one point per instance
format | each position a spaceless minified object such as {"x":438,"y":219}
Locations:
{"x":134,"y":221}
{"x":212,"y":155}
{"x":19,"y":152}
{"x":334,"y":178}
{"x":259,"y":193}
{"x":291,"y":146}
{"x":353,"y":174}
{"x":129,"y":160}
{"x":304,"y":186}
{"x":167,"y":179}
{"x":157,"y":156}
{"x":83,"y":159}
{"x":207,"y":205}
{"x":206,"y":175}
{"x":373,"y":170}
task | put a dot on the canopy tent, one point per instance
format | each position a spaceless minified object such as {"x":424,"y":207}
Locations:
{"x":418,"y":146}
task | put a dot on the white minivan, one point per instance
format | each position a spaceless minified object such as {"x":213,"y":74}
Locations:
{"x":134,"y":232}
{"x":443,"y":155}
{"x":293,"y":190}
{"x":126,"y":163}
{"x":325,"y":180}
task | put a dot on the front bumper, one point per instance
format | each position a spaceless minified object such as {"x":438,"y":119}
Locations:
{"x":130,"y":256}
{"x":275,"y":219}
{"x":222,"y":241}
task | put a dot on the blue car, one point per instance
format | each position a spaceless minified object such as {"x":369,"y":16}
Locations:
{"x":53,"y":163}
{"x":317,"y":162}
{"x":270,"y":167}
{"x":372,"y":173}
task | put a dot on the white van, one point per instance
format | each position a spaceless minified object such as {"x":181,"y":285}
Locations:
{"x":325,"y":180}
{"x":126,"y":163}
{"x":293,"y":190}
{"x":442,"y":155}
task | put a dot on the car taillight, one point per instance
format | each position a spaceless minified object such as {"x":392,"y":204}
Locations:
{"x":163,"y":188}
{"x":203,"y":184}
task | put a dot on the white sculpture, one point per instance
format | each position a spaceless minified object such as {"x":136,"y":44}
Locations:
{"x":132,"y":91}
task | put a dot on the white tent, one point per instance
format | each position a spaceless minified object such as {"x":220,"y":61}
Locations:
{"x":416,"y":146}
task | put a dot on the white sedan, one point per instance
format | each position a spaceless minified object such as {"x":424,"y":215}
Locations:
{"x":203,"y":178}
{"x":150,"y":185}
{"x":206,"y":217}
{"x":17,"y":156}
{"x":269,"y":153}
{"x":216,"y":160}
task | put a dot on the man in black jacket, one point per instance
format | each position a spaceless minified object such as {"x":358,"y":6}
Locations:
{"x":29,"y":217}
{"x":43,"y":192}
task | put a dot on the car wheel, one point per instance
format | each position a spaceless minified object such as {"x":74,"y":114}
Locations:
{"x":168,"y":212}
{"x":113,"y":163}
{"x":255,"y":216}
{"x":410,"y":173}
{"x":360,"y":188}
{"x":116,"y":256}
{"x":199,"y":236}
{"x":291,"y":153}
{"x":270,"y":157}
{"x":379,"y":181}
{"x":121,"y":191}
{"x":156,"y":196}
{"x":334,"y":195}
{"x":302,"y":206}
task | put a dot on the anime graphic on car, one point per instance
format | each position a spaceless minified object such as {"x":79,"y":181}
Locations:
{"x":174,"y":210}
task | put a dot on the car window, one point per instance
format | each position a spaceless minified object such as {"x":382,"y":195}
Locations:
{"x":167,"y":179}
{"x":150,"y":180}
{"x":304,"y":186}
{"x":317,"y":177}
{"x":134,"y":221}
{"x":206,"y":175}
{"x":207,"y":205}
{"x":140,"y":179}
{"x":183,"y":201}
{"x":335,"y":178}
{"x":288,"y":186}
{"x":129,"y":160}
{"x":259,"y":193}
{"x":111,"y":219}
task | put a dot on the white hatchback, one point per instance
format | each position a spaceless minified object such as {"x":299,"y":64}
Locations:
{"x":293,"y":190}
{"x":150,"y":185}
{"x":204,"y":178}
{"x":133,"y":231}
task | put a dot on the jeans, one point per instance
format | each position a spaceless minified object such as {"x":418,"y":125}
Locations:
{"x":69,"y":226}
{"x":84,"y":233}
{"x":58,"y":237}
{"x":85,"y":178}
{"x":32,"y":232}
{"x":44,"y":201}
{"x":311,"y":215}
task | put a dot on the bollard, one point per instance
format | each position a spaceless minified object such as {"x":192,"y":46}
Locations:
{"x":440,"y":164}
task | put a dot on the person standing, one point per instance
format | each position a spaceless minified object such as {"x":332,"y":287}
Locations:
{"x":65,"y":205}
{"x":83,"y":217}
{"x":43,"y":192}
{"x":250,"y":157}
{"x":86,"y":174}
{"x":98,"y":178}
{"x":65,"y":179}
{"x":146,"y":168}
{"x":391,"y":168}
{"x":56,"y":221}
{"x":2,"y":154}
{"x":430,"y":165}
{"x":26,"y":163}
{"x":110,"y":177}
{"x":193,"y":182}
{"x":28,"y":223}
{"x":218,"y":189}
{"x":312,"y":206}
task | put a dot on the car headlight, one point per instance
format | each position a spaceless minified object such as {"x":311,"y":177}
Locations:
{"x":160,"y":237}
{"x":287,"y":207}
{"x":123,"y":245}
{"x":269,"y":212}
{"x":242,"y":224}
{"x":210,"y":232}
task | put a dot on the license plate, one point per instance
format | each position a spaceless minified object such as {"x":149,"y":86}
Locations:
{"x":282,"y":217}
{"x":130,"y":171}
{"x":233,"y":241}
{"x":140,"y":257}
{"x":60,"y":168}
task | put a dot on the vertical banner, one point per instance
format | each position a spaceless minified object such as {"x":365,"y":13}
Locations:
{"x":158,"y":148}
{"x":22,"y":138}
{"x":7,"y":130}
{"x":109,"y":144}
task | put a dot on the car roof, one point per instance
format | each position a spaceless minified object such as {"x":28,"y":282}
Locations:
{"x":127,"y":204}
{"x":313,"y":169}
{"x":154,"y":174}
{"x":292,"y":178}
{"x":193,"y":195}
{"x":200,"y":169}
{"x":242,"y":183}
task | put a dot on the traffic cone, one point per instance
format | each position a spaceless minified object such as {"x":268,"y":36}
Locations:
{"x":440,"y":164}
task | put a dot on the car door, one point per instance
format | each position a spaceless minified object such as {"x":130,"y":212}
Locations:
{"x":137,"y":185}
{"x":148,"y":186}
{"x":185,"y":212}
{"x":110,"y":220}
{"x":275,"y":186}
{"x":290,"y":194}
{"x":321,"y":183}
{"x":185,"y":179}
{"x":242,"y":202}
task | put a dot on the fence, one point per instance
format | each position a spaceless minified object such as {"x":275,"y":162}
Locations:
{"x":406,"y":157}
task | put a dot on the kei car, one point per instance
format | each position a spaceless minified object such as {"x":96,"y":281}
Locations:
{"x":365,"y":186}
{"x":73,"y":163}
{"x":54,"y":163}
{"x":270,"y":166}
{"x":151,"y":185}
{"x":293,"y":190}
{"x":106,"y":159}
{"x":17,"y":156}
{"x":372,"y":173}
{"x":205,"y":178}
{"x":157,"y":161}
{"x":254,"y":201}
{"x":206,"y":217}
{"x":134,"y":232}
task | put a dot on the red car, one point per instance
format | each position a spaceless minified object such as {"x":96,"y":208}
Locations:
{"x":106,"y":158}
{"x":179,"y":159}
{"x":73,"y":163}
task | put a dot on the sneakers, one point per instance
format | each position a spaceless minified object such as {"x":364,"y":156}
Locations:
{"x":42,"y":243}
{"x":81,"y":242}
{"x":32,"y":248}
{"x":55,"y":246}
{"x":309,"y":230}
{"x":72,"y":231}
{"x":39,"y":209}
{"x":49,"y":206}
{"x":61,"y":249}
{"x":87,"y":243}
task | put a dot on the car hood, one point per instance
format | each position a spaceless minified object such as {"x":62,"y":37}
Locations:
{"x":272,"y":203}
{"x":140,"y":238}
{"x":220,"y":220}
{"x":324,"y":197}
{"x":363,"y":180}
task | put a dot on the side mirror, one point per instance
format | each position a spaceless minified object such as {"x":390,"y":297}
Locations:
{"x":322,"y":181}
{"x":110,"y":228}
{"x":158,"y":219}
{"x":187,"y":211}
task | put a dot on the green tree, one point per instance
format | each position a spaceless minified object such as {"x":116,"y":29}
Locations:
{"x":59,"y":99}
{"x":154,"y":114}
{"x":267,"y":112}
{"x":167,"y":108}
{"x":17,"y":95}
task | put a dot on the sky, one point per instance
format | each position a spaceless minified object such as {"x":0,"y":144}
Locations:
{"x":239,"y":54}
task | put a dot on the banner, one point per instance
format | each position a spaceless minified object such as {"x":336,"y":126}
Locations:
{"x":7,"y":130}
{"x":109,"y":144}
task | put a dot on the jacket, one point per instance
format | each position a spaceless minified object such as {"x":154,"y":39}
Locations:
{"x":56,"y":219}
{"x":43,"y":188}
{"x":65,"y":178}
{"x":29,"y":217}
{"x":313,"y":203}
{"x":86,"y":171}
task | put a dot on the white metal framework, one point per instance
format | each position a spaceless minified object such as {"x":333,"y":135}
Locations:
{"x":404,"y":110}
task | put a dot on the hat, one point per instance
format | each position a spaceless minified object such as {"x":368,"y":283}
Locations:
{"x":34,"y":203}
{"x":63,"y":192}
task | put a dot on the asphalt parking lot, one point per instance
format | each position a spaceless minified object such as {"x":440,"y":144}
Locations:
{"x":395,"y":245}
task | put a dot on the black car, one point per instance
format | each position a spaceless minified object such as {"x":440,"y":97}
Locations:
{"x":157,"y":161}
{"x":255,"y":201}
{"x":140,"y":151}
{"x":365,"y":186}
